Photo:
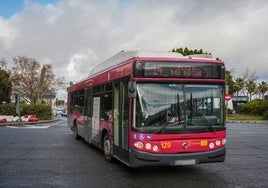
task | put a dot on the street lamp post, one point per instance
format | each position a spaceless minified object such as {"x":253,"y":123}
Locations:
{"x":17,"y":101}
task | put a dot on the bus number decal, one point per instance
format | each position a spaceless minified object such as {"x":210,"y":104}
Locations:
{"x":166,"y":145}
{"x":204,"y":143}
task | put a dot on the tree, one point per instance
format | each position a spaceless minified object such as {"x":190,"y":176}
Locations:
{"x":251,"y":87}
{"x":263,"y":88}
{"x":185,"y":51}
{"x":3,"y":64}
{"x":31,"y":80}
{"x":248,"y":76}
{"x":47,"y":80}
{"x":5,"y":86}
{"x":239,"y":85}
{"x":250,"y":82}
{"x":229,"y":81}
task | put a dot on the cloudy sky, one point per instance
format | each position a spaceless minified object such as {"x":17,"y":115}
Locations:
{"x":76,"y":35}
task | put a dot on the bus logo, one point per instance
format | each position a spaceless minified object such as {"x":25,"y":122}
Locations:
{"x":185,"y":145}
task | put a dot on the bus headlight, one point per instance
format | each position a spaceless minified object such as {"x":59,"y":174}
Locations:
{"x":148,"y":146}
{"x":138,"y":145}
{"x":223,"y":141}
{"x":211,"y":145}
{"x":155,"y":148}
{"x":218,"y":143}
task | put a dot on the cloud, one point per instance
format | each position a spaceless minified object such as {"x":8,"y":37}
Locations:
{"x":81,"y":63}
{"x":7,"y":35}
{"x":74,"y":36}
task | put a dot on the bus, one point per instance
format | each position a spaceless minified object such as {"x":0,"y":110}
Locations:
{"x":147,"y":108}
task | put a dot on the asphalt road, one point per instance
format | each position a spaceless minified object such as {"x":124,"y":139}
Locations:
{"x":47,"y":155}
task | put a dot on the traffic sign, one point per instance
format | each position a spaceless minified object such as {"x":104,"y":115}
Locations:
{"x":50,"y":95}
{"x":228,"y":97}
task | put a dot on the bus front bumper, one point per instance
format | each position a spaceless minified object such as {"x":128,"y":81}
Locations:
{"x":139,"y":159}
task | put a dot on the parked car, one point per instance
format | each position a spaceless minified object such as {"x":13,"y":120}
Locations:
{"x":64,"y":112}
{"x":59,"y":111}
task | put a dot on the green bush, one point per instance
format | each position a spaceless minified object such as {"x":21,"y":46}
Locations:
{"x":43,"y":112}
{"x":261,"y":109}
{"x":265,"y":115}
{"x":255,"y":107}
{"x":8,"y":109}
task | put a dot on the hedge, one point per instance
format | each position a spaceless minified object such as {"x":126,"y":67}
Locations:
{"x":43,"y":112}
{"x":255,"y":107}
{"x":265,"y":115}
{"x":8,"y":109}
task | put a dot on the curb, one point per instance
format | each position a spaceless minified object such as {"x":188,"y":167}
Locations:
{"x":247,"y":121}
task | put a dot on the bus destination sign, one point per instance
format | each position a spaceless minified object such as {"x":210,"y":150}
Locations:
{"x":180,"y":70}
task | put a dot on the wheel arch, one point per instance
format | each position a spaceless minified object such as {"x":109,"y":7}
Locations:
{"x":103,"y":133}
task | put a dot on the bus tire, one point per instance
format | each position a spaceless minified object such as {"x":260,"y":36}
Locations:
{"x":107,"y":148}
{"x":76,"y":136}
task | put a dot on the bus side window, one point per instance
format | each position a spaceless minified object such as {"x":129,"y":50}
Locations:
{"x":106,"y":106}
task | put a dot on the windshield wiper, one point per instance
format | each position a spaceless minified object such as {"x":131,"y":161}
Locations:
{"x":210,"y":127}
{"x":178,"y":107}
{"x":167,"y":124}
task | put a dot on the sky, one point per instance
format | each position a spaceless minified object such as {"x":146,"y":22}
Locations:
{"x":76,"y":35}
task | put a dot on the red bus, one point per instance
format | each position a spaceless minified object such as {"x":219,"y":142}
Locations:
{"x":152,"y":109}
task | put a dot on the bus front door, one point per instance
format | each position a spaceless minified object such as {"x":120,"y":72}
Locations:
{"x":120,"y":112}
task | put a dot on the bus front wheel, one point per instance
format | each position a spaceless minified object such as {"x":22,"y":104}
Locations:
{"x":107,"y":148}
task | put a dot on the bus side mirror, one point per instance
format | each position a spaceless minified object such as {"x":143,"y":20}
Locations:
{"x":132,"y":87}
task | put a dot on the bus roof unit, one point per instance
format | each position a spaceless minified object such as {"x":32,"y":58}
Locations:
{"x":127,"y":55}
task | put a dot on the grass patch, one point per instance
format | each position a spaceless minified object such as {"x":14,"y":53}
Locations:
{"x":241,"y":117}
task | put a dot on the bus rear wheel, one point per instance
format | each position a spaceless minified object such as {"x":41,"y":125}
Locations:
{"x":107,"y":148}
{"x":76,"y":136}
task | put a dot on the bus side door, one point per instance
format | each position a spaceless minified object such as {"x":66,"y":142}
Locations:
{"x":120,"y":119}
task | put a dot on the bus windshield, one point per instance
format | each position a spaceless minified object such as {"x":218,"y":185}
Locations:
{"x":164,"y":108}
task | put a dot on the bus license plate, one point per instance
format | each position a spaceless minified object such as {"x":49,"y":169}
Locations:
{"x":185,"y":162}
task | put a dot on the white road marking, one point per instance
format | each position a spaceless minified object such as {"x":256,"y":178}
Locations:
{"x":33,"y":126}
{"x":29,"y":126}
